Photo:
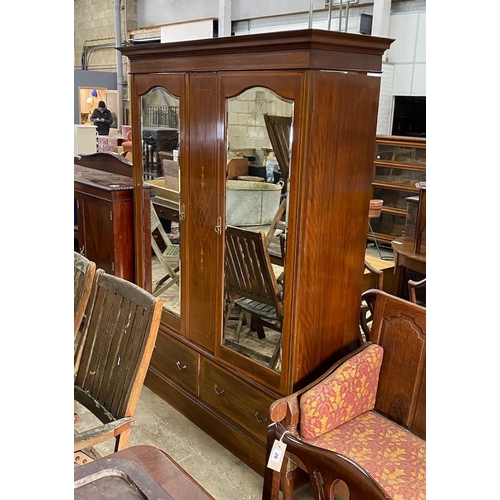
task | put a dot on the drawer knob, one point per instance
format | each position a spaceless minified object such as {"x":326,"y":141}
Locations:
{"x":260,"y":420}
{"x":218,"y":391}
{"x":178,"y":364}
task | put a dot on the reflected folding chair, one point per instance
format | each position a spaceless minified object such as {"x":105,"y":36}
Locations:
{"x":168,"y":258}
{"x":250,"y":278}
{"x":278,"y":130}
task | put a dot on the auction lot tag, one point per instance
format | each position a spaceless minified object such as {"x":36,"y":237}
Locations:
{"x":277,"y":455}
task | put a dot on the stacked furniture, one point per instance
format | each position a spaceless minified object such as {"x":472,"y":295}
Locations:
{"x":327,"y":76}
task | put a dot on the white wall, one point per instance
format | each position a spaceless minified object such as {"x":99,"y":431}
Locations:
{"x":251,"y":9}
{"x":158,"y":12}
{"x":408,"y":53}
{"x":386,"y":100}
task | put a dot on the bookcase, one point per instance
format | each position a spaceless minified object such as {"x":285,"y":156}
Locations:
{"x":399,"y":164}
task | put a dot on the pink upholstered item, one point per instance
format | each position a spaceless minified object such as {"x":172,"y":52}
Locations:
{"x":342,"y":396}
{"x":393,"y":456}
{"x":127,"y":145}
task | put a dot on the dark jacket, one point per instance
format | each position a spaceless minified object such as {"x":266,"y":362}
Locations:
{"x":102,"y":127}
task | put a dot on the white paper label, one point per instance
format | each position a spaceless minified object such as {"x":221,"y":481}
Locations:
{"x":277,"y":455}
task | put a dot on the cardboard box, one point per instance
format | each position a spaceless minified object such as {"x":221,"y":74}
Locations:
{"x":171,"y":174}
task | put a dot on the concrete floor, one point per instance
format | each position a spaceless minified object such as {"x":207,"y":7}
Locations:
{"x":223,"y":475}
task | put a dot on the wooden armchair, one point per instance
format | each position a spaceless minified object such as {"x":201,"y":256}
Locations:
{"x":366,"y":313}
{"x":251,"y":283}
{"x":113,"y":357}
{"x":84,"y":272}
{"x":368,"y":408}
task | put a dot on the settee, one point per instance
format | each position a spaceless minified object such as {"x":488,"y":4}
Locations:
{"x":367,"y":411}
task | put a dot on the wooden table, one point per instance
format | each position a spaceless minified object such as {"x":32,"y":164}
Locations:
{"x":176,"y":483}
{"x":166,"y":209}
{"x":406,"y":258}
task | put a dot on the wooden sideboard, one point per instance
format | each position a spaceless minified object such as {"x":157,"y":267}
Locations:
{"x":326,"y":76}
{"x":103,"y":192}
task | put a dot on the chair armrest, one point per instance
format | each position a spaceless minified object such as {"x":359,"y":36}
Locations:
{"x":103,"y":433}
{"x":413,"y":285}
{"x":379,"y":275}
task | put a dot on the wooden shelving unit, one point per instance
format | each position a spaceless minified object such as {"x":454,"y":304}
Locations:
{"x":400,"y":162}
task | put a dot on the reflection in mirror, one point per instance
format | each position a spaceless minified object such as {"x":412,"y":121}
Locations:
{"x":258,"y":158}
{"x":161,"y":170}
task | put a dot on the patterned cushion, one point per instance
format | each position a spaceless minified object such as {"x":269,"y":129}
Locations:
{"x":393,"y":456}
{"x":347,"y":392}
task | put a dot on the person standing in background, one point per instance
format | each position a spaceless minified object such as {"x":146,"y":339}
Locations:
{"x":102,"y":118}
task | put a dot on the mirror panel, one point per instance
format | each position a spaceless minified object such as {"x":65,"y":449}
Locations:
{"x":259,"y":138}
{"x":161,"y":171}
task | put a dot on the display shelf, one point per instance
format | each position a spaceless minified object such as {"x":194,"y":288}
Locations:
{"x":400,"y":163}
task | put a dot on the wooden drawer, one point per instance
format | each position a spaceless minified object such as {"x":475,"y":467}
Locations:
{"x":236,"y":399}
{"x":176,"y":361}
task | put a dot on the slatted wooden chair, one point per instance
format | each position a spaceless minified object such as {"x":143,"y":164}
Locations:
{"x":84,"y":272}
{"x":250,"y":278}
{"x":113,"y":357}
{"x":168,"y":258}
{"x":278,"y":130}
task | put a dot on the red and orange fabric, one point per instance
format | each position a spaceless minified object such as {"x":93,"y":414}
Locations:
{"x":336,"y":415}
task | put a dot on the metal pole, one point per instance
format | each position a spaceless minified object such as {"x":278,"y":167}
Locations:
{"x":329,"y":14}
{"x":311,"y":14}
{"x":346,"y":15}
{"x":340,"y":16}
{"x":119,"y":67}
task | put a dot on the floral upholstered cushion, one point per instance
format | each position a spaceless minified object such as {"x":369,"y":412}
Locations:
{"x":346,"y":393}
{"x":393,"y":456}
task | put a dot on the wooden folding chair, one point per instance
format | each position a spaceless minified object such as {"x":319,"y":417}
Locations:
{"x":84,"y":272}
{"x":278,"y":130}
{"x":113,"y":357}
{"x":250,"y":278}
{"x":169,"y":258}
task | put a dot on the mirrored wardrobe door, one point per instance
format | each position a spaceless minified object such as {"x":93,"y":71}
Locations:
{"x":259,"y":126}
{"x":161,"y":172}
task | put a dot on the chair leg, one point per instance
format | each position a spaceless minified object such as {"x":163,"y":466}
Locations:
{"x":275,"y":356}
{"x":123,"y":439}
{"x":256,"y":326}
{"x":240,"y":324}
{"x":375,"y":240}
{"x":287,"y":479}
{"x":165,"y":283}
